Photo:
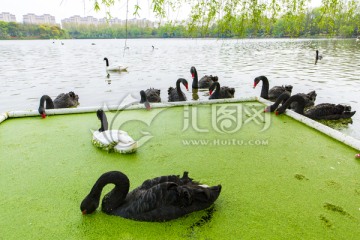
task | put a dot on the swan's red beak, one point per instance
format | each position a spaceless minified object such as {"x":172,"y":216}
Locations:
{"x":276,"y":113}
{"x":357,"y":155}
{"x":147,"y":105}
{"x":254,"y":84}
{"x":83,"y":212}
{"x":43,"y":115}
{"x":210,"y":91}
{"x":192,"y":75}
{"x":187,"y":87}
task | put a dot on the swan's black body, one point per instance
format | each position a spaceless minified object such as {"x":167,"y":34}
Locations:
{"x":309,"y":100}
{"x":317,"y":57}
{"x":221,"y":92}
{"x":324,"y":111}
{"x":63,"y":100}
{"x":175,"y":94}
{"x":156,"y":200}
{"x":274,"y":92}
{"x":204,"y":82}
{"x":281,"y":99}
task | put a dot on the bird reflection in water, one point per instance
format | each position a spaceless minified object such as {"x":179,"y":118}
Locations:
{"x":195,"y":95}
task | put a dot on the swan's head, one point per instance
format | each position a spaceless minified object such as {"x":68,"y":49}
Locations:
{"x":185,"y":83}
{"x":192,"y":71}
{"x":144,"y":100}
{"x":257,"y":80}
{"x":288,"y":88}
{"x":42,"y":112}
{"x":89,"y":205}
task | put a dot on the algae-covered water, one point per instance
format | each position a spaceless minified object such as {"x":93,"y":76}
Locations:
{"x":280,"y":179}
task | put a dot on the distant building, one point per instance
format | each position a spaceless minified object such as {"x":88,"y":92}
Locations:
{"x":31,"y":18}
{"x":113,"y":21}
{"x":7,"y":17}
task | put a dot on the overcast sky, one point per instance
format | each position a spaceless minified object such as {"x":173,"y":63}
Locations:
{"x":66,"y":8}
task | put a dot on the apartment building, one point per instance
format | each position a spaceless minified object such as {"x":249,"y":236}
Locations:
{"x":31,"y":18}
{"x":113,"y":21}
{"x":7,"y":17}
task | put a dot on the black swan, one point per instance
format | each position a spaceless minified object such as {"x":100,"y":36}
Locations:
{"x":175,"y":94}
{"x":112,"y":140}
{"x":156,"y":200}
{"x":309,"y":100}
{"x":317,"y":57}
{"x":274,"y":92}
{"x":204,"y":82}
{"x":324,"y":111}
{"x":150,"y":95}
{"x":114,"y":68}
{"x":63,"y":100}
{"x":220,"y":93}
{"x":281,"y":99}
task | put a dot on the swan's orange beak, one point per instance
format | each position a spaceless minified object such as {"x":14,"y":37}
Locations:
{"x":83,"y":212}
{"x":43,"y":115}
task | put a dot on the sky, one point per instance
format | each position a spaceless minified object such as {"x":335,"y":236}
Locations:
{"x":66,"y":8}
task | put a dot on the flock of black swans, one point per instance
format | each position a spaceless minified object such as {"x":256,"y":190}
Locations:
{"x":169,"y":197}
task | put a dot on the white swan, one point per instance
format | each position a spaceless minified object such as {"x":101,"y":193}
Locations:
{"x":114,"y":68}
{"x":112,"y":140}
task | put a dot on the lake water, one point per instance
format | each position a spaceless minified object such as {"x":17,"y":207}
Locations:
{"x":30,"y":69}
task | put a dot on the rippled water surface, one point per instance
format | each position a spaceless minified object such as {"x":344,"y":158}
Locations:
{"x":29,"y":69}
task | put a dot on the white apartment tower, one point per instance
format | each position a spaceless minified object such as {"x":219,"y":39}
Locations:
{"x":7,"y":17}
{"x":31,"y":18}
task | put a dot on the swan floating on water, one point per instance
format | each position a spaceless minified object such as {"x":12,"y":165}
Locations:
{"x":274,"y":92}
{"x":156,"y":200}
{"x":112,"y":140}
{"x":150,"y":95}
{"x":175,"y":94}
{"x":220,"y":92}
{"x":204,"y":82}
{"x":63,"y":100}
{"x":317,"y":57}
{"x":323,"y":111}
{"x":114,"y":68}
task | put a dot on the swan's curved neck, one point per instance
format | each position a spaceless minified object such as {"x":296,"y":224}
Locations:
{"x":143,"y":96}
{"x":300,"y":103}
{"x":283,"y":97}
{"x":103,"y":120}
{"x":195,"y":82}
{"x":178,"y":89}
{"x":107,"y":62}
{"x":115,"y":197}
{"x":48,"y":100}
{"x":265,"y":88}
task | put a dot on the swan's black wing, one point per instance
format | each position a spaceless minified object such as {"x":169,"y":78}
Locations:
{"x":66,"y":100}
{"x":206,"y":81}
{"x":226,"y":92}
{"x":153,"y":95}
{"x":275,"y":92}
{"x":329,"y":111}
{"x":167,"y":201}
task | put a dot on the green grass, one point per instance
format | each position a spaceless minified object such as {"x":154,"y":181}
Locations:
{"x":297,"y":183}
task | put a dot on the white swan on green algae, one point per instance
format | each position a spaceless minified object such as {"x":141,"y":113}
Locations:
{"x":156,"y":200}
{"x":112,"y":140}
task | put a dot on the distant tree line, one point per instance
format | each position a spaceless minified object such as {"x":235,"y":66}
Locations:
{"x":13,"y":30}
{"x":335,"y":22}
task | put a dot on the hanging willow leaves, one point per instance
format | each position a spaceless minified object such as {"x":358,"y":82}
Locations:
{"x":238,"y":18}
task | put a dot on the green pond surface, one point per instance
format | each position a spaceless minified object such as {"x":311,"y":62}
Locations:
{"x":280,"y":179}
